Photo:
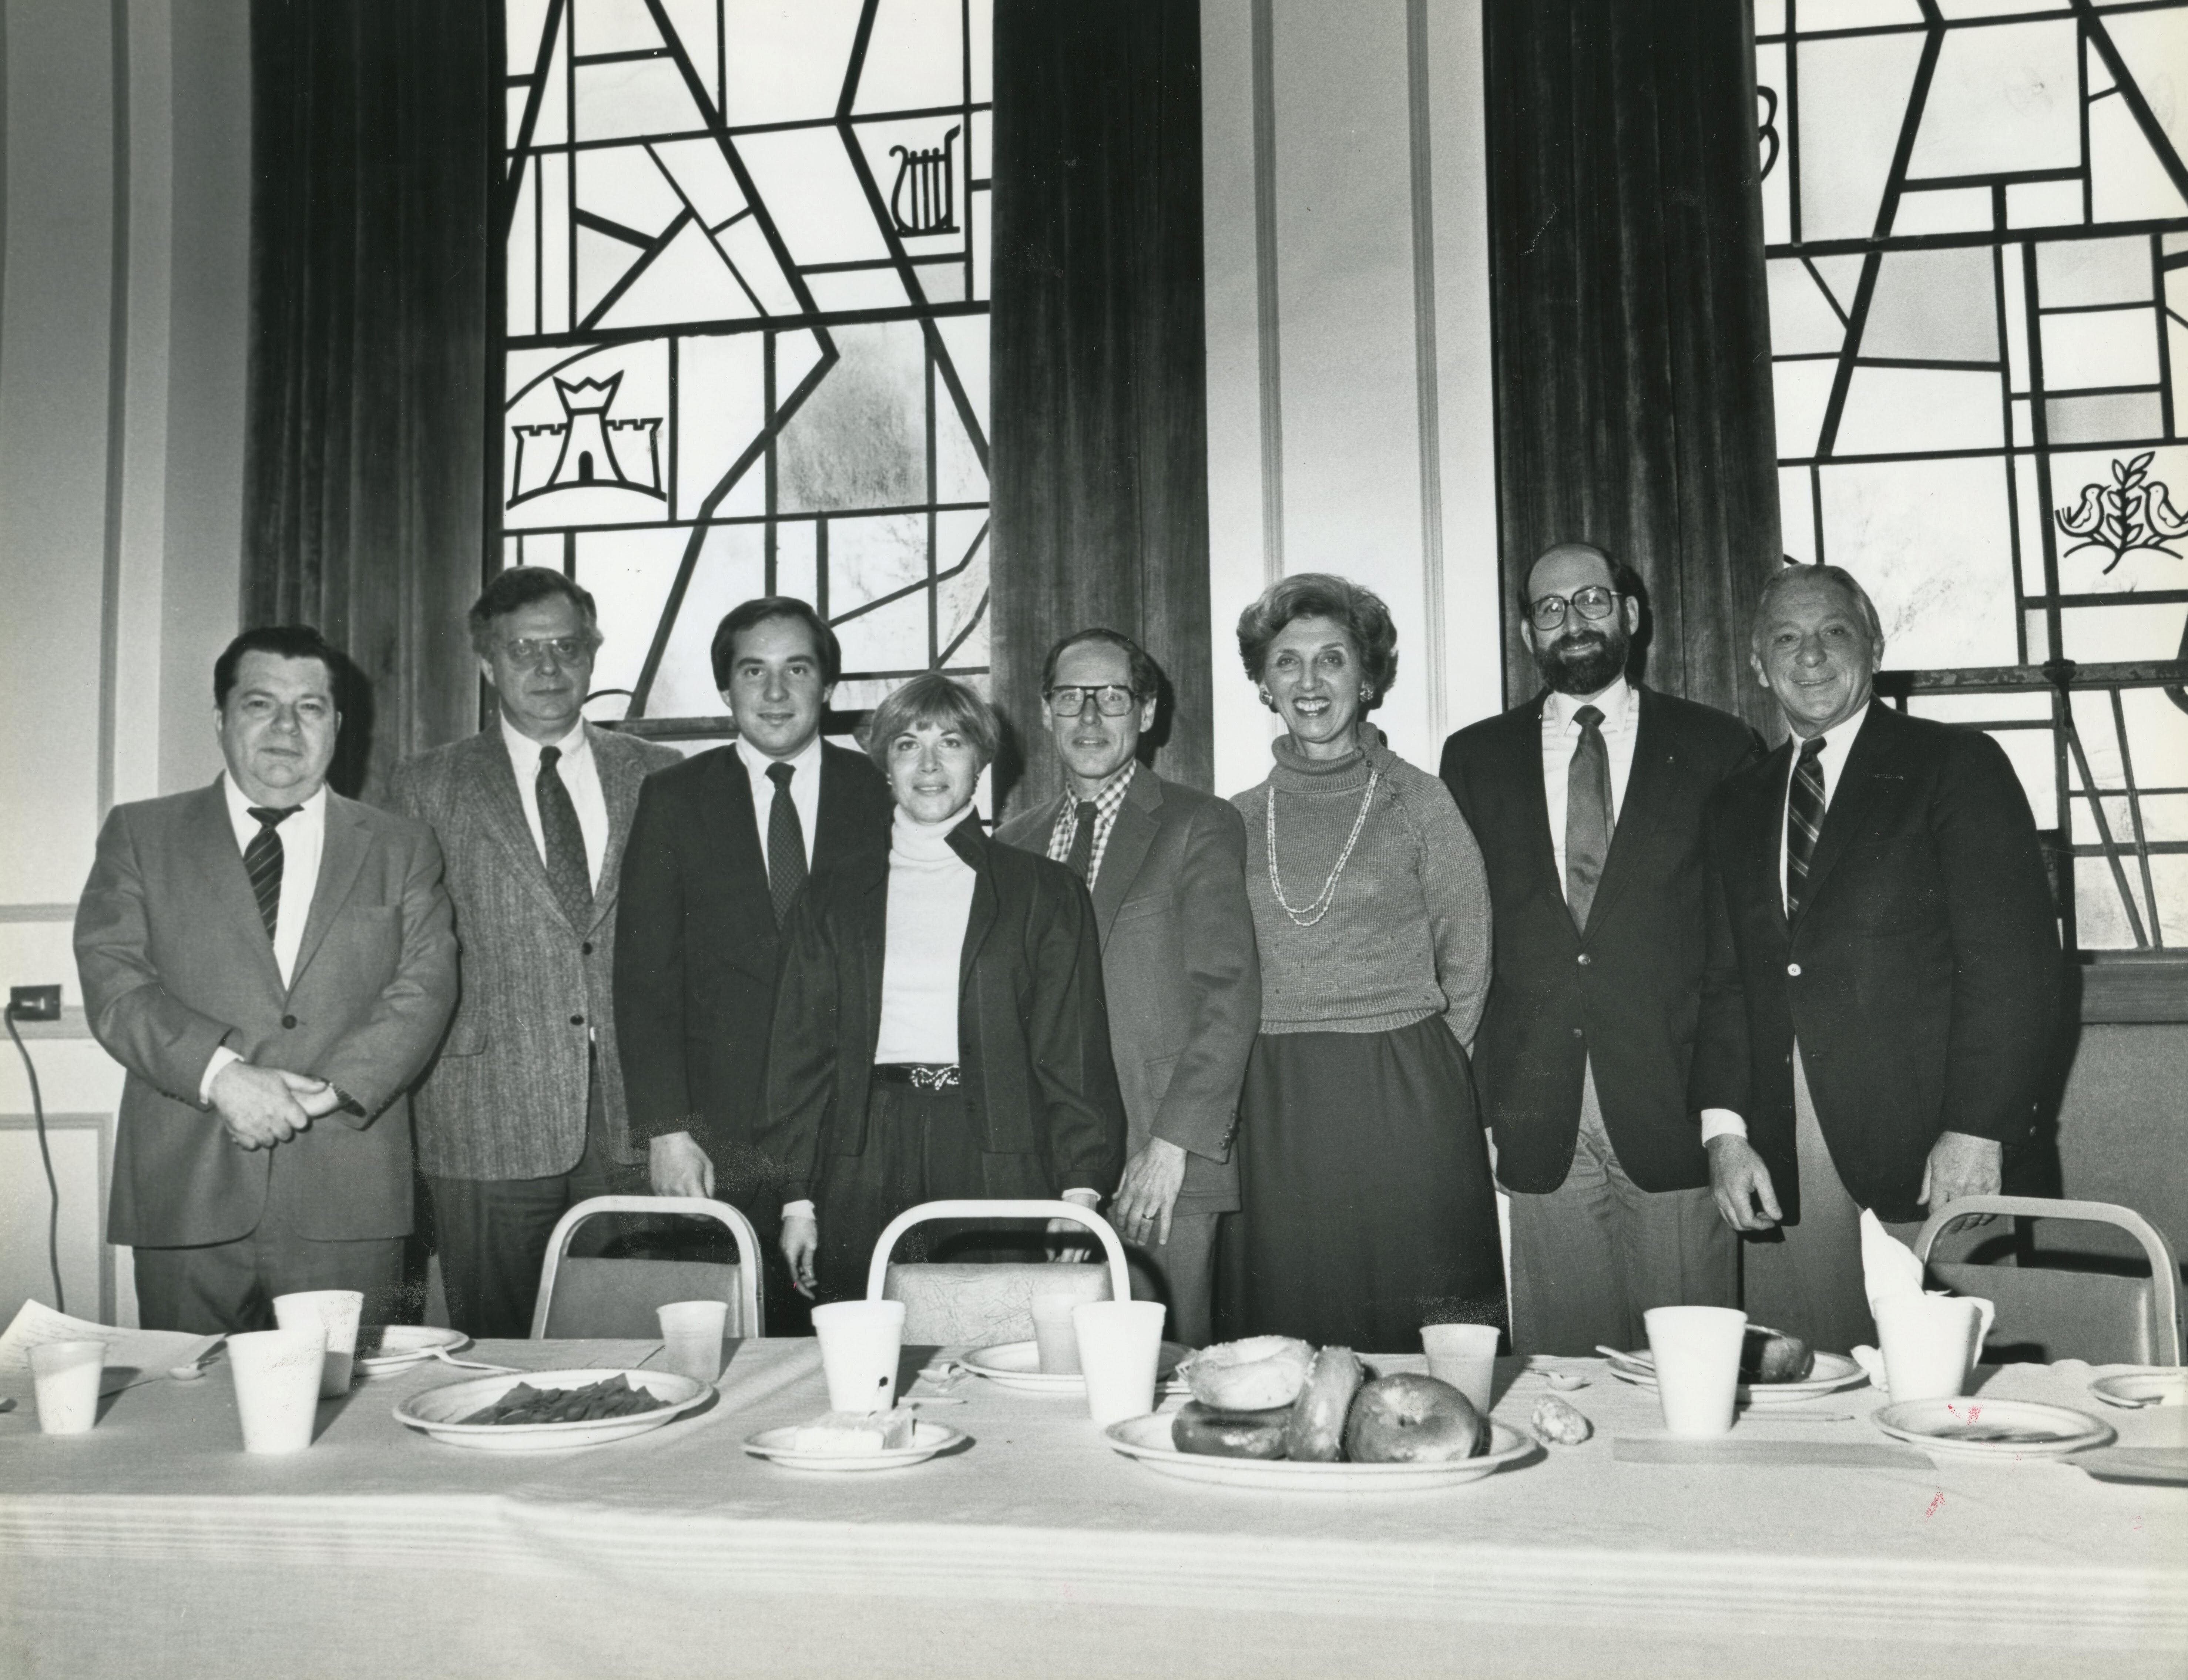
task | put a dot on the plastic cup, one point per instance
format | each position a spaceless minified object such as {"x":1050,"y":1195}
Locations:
{"x":1697,"y":1354}
{"x":1930,"y":1343}
{"x":692,"y":1331}
{"x":860,"y":1345}
{"x":276,"y":1386}
{"x":66,"y":1377}
{"x":1465,"y":1356}
{"x":1120,"y":1346}
{"x":334,"y":1310}
{"x":1055,"y":1336}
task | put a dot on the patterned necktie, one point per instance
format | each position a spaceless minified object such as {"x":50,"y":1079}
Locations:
{"x":786,"y":845}
{"x":1587,"y":814}
{"x":1804,"y":822}
{"x":1081,"y":860}
{"x":568,"y":871}
{"x":261,"y":862}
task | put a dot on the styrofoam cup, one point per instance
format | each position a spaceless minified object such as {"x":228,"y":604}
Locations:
{"x":65,"y":1375}
{"x":1697,"y":1356}
{"x":859,"y":1343}
{"x":692,"y":1332}
{"x":1465,"y":1356}
{"x":1120,"y":1346}
{"x":1930,"y":1343}
{"x":334,"y":1310}
{"x":276,"y":1386}
{"x":1055,"y":1336}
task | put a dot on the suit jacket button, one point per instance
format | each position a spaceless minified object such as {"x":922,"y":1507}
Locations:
{"x":1794,"y":969}
{"x":288,"y":1020}
{"x":586,"y":948}
{"x":1584,"y":959}
{"x":1577,"y":1032}
{"x":577,"y":1020}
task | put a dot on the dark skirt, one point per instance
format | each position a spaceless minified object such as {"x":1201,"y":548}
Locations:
{"x":1366,"y":1208}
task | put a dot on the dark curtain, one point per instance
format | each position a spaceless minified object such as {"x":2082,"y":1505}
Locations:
{"x":1099,"y":469}
{"x":1633,"y":344}
{"x":373,"y":128}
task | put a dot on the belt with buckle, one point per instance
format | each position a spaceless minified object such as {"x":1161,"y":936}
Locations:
{"x":919,"y":1075}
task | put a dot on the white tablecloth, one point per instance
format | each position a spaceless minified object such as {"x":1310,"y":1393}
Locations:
{"x":155,"y":1547}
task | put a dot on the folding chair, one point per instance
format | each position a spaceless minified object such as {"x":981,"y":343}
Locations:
{"x":586,"y":1296}
{"x":2100,"y":1316}
{"x":947,"y":1304}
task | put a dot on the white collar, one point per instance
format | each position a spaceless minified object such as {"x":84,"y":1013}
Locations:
{"x":524,"y":751}
{"x":238,"y":803}
{"x":1838,"y":738}
{"x":1615,"y":703}
{"x":756,"y":763}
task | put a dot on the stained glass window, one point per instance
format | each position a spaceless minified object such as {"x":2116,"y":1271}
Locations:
{"x":1976,"y":218}
{"x":745,"y":329}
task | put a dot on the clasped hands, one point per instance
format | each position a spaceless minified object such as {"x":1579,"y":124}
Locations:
{"x":261,"y":1106}
{"x":1958,"y":1166}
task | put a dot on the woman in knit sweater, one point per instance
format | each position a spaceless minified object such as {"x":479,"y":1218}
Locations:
{"x":940,"y":1028}
{"x":1368,"y":1208}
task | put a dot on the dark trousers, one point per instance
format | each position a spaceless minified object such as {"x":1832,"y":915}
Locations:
{"x":492,"y":1234}
{"x":227,"y":1286}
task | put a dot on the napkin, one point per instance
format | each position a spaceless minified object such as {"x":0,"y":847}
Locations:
{"x":1888,"y":1267}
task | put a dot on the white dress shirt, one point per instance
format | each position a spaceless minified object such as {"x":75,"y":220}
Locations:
{"x":580,"y":777}
{"x":1622,"y":724}
{"x":1838,"y":741}
{"x":804,"y":789}
{"x":303,"y":837}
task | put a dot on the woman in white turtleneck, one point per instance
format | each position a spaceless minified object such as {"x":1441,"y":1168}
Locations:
{"x":940,"y":1029}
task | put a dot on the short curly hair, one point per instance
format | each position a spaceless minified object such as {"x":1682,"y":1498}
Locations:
{"x":933,"y":698}
{"x":1322,"y":595}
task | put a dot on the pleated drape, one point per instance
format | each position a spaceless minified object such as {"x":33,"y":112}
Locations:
{"x":372,"y":276}
{"x":1632,"y":334}
{"x":1099,"y":465}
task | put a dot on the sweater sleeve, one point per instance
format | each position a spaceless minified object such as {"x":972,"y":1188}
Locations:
{"x":1455,"y":889}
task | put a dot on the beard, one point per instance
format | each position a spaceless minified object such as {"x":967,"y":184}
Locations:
{"x":1583,"y":662}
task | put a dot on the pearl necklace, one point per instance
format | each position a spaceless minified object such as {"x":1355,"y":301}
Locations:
{"x":1307,"y":916}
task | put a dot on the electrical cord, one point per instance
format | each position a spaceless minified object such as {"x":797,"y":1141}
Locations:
{"x":53,"y":1185}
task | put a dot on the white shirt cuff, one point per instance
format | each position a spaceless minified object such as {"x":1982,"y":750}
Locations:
{"x":221,"y":1057}
{"x":1088,"y":1200}
{"x":799,"y":1209}
{"x":1722,"y":1123}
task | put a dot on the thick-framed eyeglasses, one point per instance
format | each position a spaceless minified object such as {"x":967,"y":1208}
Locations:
{"x":1111,"y":700}
{"x":1593,"y":602}
{"x":534,"y":650}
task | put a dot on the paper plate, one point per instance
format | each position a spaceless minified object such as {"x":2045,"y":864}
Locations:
{"x":2165,"y":1387}
{"x":1148,"y":1439}
{"x":1832,"y":1372}
{"x":393,"y":1346}
{"x":436,"y":1412}
{"x":2000,"y":1431}
{"x":927,"y":1440}
{"x":1017,"y":1365}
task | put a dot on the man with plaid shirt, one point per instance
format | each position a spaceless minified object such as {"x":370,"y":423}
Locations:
{"x":1166,"y":867}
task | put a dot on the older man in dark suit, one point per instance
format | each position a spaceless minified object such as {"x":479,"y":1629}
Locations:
{"x":521,"y":1116}
{"x":272,"y":965}
{"x":1166,"y":866}
{"x":1882,"y":1006}
{"x":1587,"y":802}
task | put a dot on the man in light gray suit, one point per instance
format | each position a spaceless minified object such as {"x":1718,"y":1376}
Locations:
{"x":521,"y":1116}
{"x":1166,"y":866}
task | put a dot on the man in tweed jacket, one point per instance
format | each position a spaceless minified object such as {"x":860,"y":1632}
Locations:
{"x":521,"y":1115}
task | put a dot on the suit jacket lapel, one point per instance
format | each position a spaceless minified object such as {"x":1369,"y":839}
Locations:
{"x":1766,"y":832}
{"x":1647,"y":782}
{"x":835,"y":815}
{"x":621,"y":770}
{"x":503,"y":811}
{"x":1842,"y":818}
{"x":1131,"y":838}
{"x":340,"y":856}
{"x":1522,"y":751}
{"x":212,"y":841}
{"x":972,"y":845}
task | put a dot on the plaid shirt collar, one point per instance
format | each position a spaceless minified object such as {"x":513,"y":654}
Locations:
{"x":1107,"y":804}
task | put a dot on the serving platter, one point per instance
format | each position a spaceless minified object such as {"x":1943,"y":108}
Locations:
{"x":1147,"y":1440}
{"x":927,"y":1440}
{"x":1017,"y":1365}
{"x":2167,"y":1386}
{"x":1833,"y":1372}
{"x":396,"y":1347}
{"x":2000,"y":1431}
{"x":437,"y":1411}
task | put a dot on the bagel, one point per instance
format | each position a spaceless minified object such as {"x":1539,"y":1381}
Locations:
{"x":1408,"y":1419}
{"x":1253,"y":1375}
{"x":1315,"y":1433}
{"x":1229,"y":1435}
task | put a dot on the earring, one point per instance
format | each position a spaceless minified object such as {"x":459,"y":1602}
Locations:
{"x":1268,"y":699}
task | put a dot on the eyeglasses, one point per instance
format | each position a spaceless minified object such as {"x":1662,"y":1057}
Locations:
{"x":1111,"y":700}
{"x":534,"y":650}
{"x":1593,"y":602}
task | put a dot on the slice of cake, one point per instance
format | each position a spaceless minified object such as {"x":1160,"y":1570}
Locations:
{"x":848,"y":1435}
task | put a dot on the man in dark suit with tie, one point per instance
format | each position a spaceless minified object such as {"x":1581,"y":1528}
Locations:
{"x":1166,"y":866}
{"x":720,"y":848}
{"x":521,"y":1116}
{"x":1587,"y":802}
{"x":272,"y":964}
{"x":1883,"y":999}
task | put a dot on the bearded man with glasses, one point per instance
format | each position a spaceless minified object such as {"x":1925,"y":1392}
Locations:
{"x":1588,"y":803}
{"x":1165,"y":864}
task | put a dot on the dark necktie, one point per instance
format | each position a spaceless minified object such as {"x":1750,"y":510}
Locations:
{"x":786,"y":845}
{"x":1081,"y":860}
{"x":261,"y":862}
{"x":1587,"y":814}
{"x":568,"y":871}
{"x":1804,"y":822}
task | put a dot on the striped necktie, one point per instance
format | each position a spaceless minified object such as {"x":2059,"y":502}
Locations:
{"x":261,"y":862}
{"x":1081,"y":860}
{"x":568,"y":870}
{"x":1804,"y":822}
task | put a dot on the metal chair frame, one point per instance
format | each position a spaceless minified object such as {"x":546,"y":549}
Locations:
{"x":1120,"y":1279}
{"x":748,"y":1322}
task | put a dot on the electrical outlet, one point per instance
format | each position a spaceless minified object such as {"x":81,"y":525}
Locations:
{"x":35,"y":1003}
